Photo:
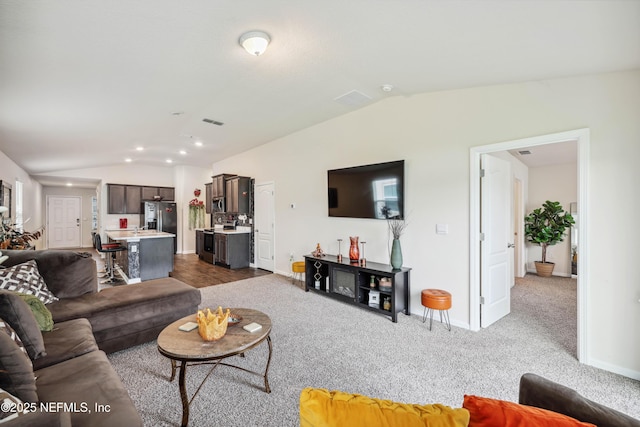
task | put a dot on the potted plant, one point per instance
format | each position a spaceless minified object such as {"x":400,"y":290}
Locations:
{"x":546,"y":226}
{"x":13,"y":238}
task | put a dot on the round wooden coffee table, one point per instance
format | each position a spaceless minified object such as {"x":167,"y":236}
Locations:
{"x":189,"y":348}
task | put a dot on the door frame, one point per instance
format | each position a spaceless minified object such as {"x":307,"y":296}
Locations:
{"x":582,"y":137}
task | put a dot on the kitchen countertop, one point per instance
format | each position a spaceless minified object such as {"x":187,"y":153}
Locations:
{"x":238,"y":230}
{"x":141,"y":234}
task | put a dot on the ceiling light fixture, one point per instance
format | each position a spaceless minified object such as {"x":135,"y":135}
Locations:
{"x":169,"y":161}
{"x":128,"y":160}
{"x":139,"y":148}
{"x":255,"y":42}
{"x":183,"y":152}
{"x":198,"y":144}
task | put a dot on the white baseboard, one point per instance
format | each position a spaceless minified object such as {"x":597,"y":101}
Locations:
{"x":533,"y":271}
{"x":614,"y":368}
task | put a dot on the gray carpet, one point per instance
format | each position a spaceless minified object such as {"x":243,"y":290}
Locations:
{"x":320,"y":342}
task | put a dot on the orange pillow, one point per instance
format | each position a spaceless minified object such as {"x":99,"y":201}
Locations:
{"x":487,"y":412}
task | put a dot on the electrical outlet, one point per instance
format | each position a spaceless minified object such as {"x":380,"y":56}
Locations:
{"x":291,"y":257}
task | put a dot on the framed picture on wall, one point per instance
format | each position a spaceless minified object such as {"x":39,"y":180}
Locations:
{"x":5,"y":198}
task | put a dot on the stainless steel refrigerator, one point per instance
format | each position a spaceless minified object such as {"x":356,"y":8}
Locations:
{"x":161,"y":216}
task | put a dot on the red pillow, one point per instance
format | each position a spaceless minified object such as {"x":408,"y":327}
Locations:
{"x":487,"y":412}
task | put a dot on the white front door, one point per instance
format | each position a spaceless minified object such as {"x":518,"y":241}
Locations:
{"x":265,"y":226}
{"x":63,"y":219}
{"x":496,"y":271}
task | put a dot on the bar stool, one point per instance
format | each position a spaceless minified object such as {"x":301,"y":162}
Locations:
{"x":110,"y":261}
{"x":298,"y":268}
{"x":436,"y":299}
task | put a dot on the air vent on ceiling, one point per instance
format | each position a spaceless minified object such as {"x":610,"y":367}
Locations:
{"x":353,"y":99}
{"x":524,"y":152}
{"x":213,"y":122}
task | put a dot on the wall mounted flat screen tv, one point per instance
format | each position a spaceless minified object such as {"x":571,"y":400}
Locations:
{"x":369,"y":191}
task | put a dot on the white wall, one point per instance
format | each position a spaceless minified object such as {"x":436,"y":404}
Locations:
{"x":558,"y":183}
{"x":32,"y":195}
{"x":433,"y":132}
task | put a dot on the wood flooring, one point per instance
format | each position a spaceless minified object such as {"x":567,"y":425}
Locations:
{"x":190,"y":269}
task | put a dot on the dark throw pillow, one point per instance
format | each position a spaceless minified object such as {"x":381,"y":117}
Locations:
{"x":16,"y":371}
{"x":19,"y":316}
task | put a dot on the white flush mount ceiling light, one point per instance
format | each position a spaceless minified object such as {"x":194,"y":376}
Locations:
{"x":255,"y":42}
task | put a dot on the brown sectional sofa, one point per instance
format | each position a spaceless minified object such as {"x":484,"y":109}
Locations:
{"x":88,"y":324}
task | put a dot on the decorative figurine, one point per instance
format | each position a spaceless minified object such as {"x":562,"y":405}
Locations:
{"x":318,"y":252}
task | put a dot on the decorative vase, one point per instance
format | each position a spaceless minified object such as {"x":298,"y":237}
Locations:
{"x":354,"y":252}
{"x":396,"y":255}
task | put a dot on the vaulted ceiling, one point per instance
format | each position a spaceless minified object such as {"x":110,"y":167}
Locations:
{"x":83,"y":83}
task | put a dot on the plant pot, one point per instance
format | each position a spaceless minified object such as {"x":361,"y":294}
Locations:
{"x":544,"y":269}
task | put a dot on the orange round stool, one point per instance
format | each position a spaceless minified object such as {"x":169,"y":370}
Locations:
{"x":297,"y":268}
{"x":436,"y":299}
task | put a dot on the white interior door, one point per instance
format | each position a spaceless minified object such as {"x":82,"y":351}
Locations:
{"x":63,"y":219}
{"x":265,"y":226}
{"x":496,"y":268}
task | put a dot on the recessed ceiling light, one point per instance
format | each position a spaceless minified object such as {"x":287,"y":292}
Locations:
{"x":69,"y":184}
{"x":198,"y":143}
{"x":128,"y":160}
{"x":183,"y":152}
{"x":139,"y":148}
{"x":169,"y":161}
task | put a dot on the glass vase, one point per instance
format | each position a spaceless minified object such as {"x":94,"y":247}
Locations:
{"x":354,"y":251}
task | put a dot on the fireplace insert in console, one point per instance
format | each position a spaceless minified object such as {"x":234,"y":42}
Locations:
{"x":344,"y":282}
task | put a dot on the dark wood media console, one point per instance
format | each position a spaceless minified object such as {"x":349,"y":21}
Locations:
{"x":351,"y":283}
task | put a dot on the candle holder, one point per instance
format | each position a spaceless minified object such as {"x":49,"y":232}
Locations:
{"x":363,"y":260}
{"x":339,"y":251}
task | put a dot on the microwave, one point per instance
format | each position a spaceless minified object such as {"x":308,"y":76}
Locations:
{"x":217,"y":205}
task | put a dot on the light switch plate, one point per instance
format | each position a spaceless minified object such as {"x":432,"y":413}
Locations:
{"x":442,"y":228}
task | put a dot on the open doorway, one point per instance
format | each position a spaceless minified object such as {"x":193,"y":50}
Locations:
{"x":581,"y":137}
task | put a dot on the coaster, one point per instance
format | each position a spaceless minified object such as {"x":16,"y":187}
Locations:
{"x":252,"y":327}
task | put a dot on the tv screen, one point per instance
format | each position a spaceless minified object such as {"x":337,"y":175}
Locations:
{"x":369,"y":191}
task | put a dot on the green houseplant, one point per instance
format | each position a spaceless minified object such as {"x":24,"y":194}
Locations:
{"x":547,"y":226}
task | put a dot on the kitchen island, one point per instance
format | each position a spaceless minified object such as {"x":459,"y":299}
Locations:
{"x":149,"y":254}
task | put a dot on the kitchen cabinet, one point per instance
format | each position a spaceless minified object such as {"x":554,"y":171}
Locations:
{"x":123,"y":199}
{"x":232,"y":249}
{"x":218,"y":185}
{"x":208,"y":188}
{"x":237,"y":193}
{"x":164,"y":193}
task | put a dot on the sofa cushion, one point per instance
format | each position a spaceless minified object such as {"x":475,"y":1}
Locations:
{"x":67,"y":340}
{"x":321,"y":407}
{"x":17,"y":313}
{"x":68,"y":274}
{"x":128,"y":315}
{"x":543,"y":393}
{"x":26,"y":278}
{"x":4,"y":326}
{"x":88,"y":382}
{"x":16,"y":371}
{"x":39,"y":310}
{"x":486,"y":412}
